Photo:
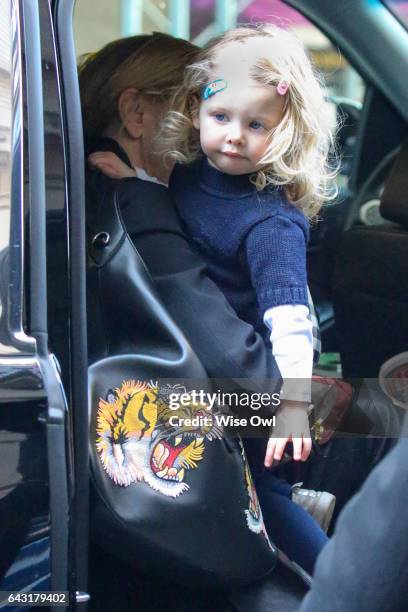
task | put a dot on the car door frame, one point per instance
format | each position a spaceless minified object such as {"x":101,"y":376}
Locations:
{"x":75,"y":360}
{"x":30,"y":373}
{"x":24,"y":320}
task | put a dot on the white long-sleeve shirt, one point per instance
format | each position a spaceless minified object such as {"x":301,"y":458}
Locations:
{"x":292,"y":346}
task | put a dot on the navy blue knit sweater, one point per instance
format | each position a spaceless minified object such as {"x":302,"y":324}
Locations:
{"x":253,"y":242}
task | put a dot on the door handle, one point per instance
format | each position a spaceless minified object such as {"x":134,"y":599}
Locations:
{"x":20,"y":378}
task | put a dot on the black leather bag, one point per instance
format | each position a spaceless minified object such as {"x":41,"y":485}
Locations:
{"x":177,"y":502}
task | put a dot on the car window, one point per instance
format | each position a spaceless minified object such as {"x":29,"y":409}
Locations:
{"x":5,"y":123}
{"x":96,"y":24}
{"x":399,"y":8}
{"x":199,"y":20}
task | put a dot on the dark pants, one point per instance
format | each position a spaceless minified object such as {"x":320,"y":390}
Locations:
{"x":289,"y":526}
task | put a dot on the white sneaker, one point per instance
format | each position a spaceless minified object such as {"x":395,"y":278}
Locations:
{"x":319,"y":504}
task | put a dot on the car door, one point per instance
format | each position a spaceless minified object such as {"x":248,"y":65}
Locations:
{"x":43,"y":480}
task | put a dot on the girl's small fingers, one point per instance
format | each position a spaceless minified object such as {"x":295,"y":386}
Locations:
{"x":307,"y":448}
{"x":96,"y":162}
{"x":95,"y":157}
{"x":270,"y":451}
{"x":103,"y":155}
{"x":107,"y":169}
{"x":279,"y":448}
{"x":297,"y":448}
{"x":99,"y":163}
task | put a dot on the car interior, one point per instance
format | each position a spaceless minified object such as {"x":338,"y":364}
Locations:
{"x":356,"y":255}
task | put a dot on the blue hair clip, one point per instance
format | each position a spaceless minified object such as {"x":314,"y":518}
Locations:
{"x":213,"y":88}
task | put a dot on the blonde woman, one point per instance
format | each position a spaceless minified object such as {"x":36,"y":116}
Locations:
{"x":125,"y":92}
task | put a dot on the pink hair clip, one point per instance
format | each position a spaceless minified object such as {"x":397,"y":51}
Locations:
{"x":282,"y":87}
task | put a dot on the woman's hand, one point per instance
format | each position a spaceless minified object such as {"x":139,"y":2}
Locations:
{"x":110,"y":164}
{"x":292,"y":425}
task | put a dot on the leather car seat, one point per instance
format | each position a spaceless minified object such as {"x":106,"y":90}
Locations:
{"x":370,"y":288}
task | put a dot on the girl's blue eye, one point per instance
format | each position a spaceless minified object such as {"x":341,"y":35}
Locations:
{"x":220,"y":116}
{"x":255,"y":125}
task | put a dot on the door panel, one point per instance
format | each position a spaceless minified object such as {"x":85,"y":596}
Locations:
{"x":23,"y":459}
{"x":33,"y":458}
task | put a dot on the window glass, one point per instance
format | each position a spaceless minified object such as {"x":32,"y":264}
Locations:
{"x":5,"y":122}
{"x":399,"y":8}
{"x":96,"y":24}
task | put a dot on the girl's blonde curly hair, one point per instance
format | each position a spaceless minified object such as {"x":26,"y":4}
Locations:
{"x":297,"y":157}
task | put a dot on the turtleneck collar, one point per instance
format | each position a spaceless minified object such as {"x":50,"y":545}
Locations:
{"x":215,"y":182}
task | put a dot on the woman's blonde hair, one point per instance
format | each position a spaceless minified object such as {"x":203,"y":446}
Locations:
{"x":297,"y":156}
{"x":151,"y":63}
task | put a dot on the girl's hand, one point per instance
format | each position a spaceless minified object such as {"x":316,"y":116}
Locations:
{"x":110,"y":164}
{"x":292,"y":425}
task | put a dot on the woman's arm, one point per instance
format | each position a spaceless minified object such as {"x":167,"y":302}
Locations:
{"x":227,"y":346}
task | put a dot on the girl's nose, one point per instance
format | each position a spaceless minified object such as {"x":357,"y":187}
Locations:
{"x":235,"y":135}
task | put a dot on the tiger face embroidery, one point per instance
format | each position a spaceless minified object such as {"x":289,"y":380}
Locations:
{"x":136,"y":441}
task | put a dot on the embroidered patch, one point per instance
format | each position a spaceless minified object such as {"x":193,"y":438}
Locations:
{"x":136,"y":441}
{"x":213,"y":88}
{"x":253,"y":514}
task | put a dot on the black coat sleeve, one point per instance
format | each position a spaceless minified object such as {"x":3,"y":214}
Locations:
{"x":227,"y":346}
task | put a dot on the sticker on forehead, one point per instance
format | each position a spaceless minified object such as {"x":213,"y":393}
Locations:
{"x":213,"y":88}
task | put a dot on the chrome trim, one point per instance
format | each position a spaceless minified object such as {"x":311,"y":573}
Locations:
{"x":34,"y":122}
{"x":21,"y":379}
{"x":42,"y":532}
{"x":82,"y":597}
{"x":12,"y":333}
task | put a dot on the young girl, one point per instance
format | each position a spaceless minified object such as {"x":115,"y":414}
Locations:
{"x":252,"y":134}
{"x":253,"y":106}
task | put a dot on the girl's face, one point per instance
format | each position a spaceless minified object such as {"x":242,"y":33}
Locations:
{"x":236,"y":124}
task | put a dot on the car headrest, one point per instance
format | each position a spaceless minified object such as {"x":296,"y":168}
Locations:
{"x":394,"y":200}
